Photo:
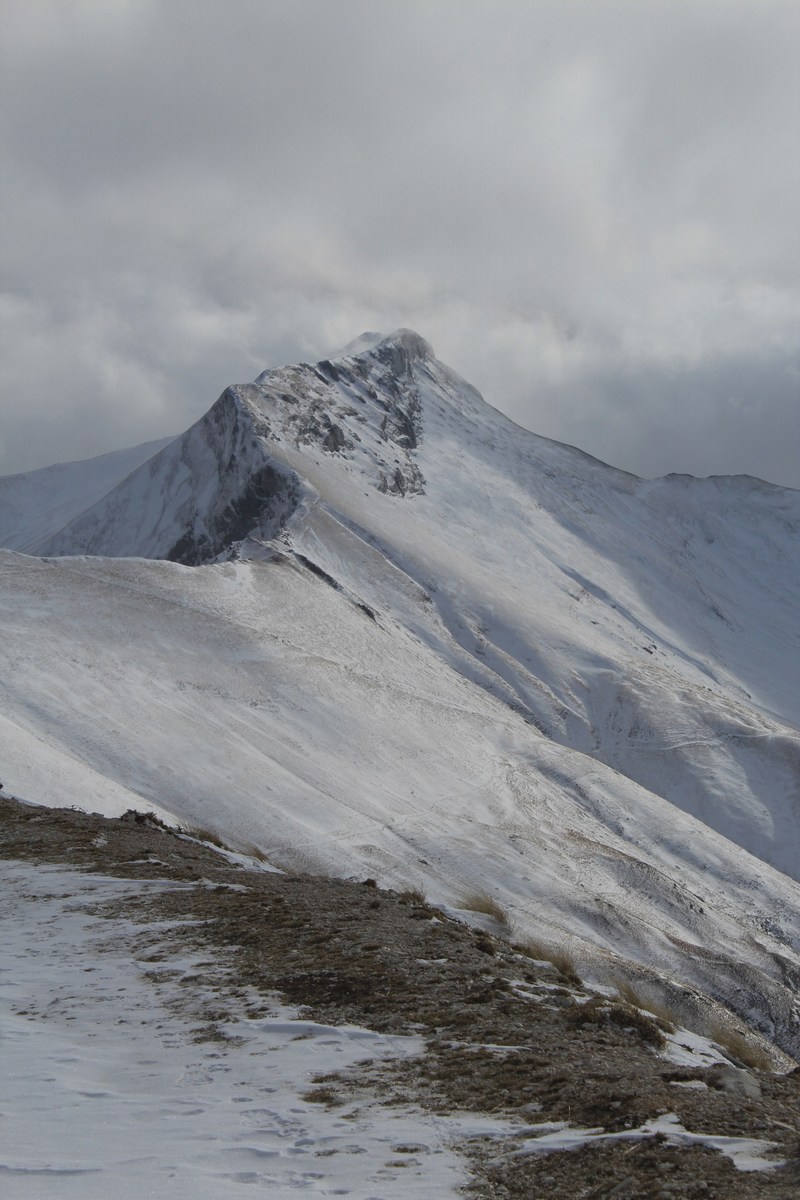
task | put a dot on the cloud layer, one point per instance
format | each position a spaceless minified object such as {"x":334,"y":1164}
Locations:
{"x":590,"y":210}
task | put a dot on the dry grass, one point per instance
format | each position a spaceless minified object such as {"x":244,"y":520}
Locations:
{"x":140,"y":818}
{"x":663,"y":1016}
{"x":296,"y":862}
{"x":251,"y":851}
{"x":600,"y":1011}
{"x":633,"y":1018}
{"x":322,"y":1095}
{"x":742,"y":1052}
{"x":733,"y":1042}
{"x":201,"y":834}
{"x":482,"y":902}
{"x":558,"y":957}
{"x":413,"y":896}
{"x":627,"y":993}
{"x":593,"y":1012}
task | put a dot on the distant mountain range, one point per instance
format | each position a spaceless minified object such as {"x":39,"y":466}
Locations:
{"x":358,"y":618}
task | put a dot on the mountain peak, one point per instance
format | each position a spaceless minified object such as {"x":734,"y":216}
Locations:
{"x":236,"y":475}
{"x":404,"y":342}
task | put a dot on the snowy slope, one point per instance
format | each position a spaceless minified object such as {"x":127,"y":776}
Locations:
{"x":255,"y":699}
{"x":193,"y":498}
{"x":459,"y":656}
{"x":651,"y":625}
{"x":37,"y":504}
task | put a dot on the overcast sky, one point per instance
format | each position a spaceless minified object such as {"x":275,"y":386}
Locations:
{"x":589,"y":207}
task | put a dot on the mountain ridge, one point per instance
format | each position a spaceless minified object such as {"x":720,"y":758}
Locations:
{"x":398,"y":353}
{"x":423,"y":643}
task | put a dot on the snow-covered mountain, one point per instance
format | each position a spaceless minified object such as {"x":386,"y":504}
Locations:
{"x":431,"y":646}
{"x":34,"y":506}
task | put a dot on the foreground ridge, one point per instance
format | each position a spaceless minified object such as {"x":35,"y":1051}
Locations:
{"x":552,"y":1063}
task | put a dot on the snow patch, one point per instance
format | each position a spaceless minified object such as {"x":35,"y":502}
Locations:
{"x":746,"y":1154}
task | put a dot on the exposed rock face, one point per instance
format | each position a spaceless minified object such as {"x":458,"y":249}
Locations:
{"x":196,"y":498}
{"x":260,"y":509}
{"x":355,"y":404}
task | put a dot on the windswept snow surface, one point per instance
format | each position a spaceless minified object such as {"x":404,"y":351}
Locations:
{"x":460,"y":656}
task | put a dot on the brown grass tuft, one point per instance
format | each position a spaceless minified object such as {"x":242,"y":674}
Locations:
{"x":322,"y":1095}
{"x":633,"y":1018}
{"x":736,"y":1046}
{"x":559,"y":958}
{"x":482,"y":902}
{"x":664,"y":1017}
{"x":599,"y":1011}
{"x":297,"y":862}
{"x":201,"y":834}
{"x":251,"y":851}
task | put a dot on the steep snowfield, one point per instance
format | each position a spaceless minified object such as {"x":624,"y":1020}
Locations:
{"x":460,"y":656}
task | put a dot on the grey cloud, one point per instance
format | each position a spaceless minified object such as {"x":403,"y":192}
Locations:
{"x":737,"y":415}
{"x":588,"y":209}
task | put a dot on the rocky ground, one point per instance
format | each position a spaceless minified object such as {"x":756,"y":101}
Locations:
{"x":506,"y":1033}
